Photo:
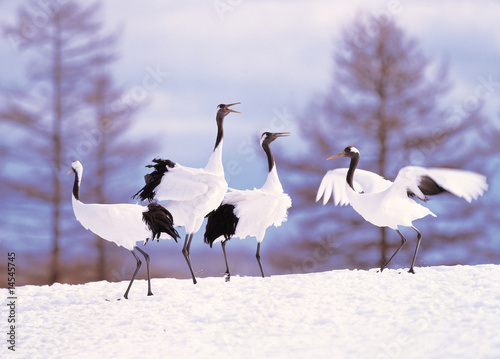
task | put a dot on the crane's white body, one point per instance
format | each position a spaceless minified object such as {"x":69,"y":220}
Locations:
{"x":386,"y":204}
{"x":259,"y":209}
{"x":123,"y":224}
{"x":193,"y":192}
{"x":190,"y":193}
{"x":245,"y":213}
{"x":118,"y":223}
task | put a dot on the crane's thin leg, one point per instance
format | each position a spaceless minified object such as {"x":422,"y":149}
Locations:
{"x":257,"y":255}
{"x":185,"y":251}
{"x":419,"y":237}
{"x":135,"y":273}
{"x":403,"y":241}
{"x":227,"y":274}
{"x":146,"y":256}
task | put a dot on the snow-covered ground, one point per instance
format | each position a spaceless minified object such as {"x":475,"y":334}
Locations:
{"x":440,"y":312}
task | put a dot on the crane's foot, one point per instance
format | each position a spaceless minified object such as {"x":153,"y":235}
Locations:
{"x":227,"y":276}
{"x":411,"y":271}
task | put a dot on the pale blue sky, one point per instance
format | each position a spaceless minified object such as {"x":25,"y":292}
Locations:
{"x":272,"y":56}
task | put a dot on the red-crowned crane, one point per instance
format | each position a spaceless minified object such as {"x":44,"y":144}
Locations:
{"x":191,"y":193}
{"x":250,"y":212}
{"x":387,"y":204}
{"x":123,"y":224}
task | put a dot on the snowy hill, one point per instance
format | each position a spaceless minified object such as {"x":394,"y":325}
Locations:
{"x":440,"y":312}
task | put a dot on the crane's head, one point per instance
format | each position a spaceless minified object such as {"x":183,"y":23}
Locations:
{"x":268,"y":137}
{"x":224,"y":109}
{"x":349,"y":151}
{"x":77,"y":168}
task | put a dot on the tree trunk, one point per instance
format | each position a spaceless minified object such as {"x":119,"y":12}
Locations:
{"x":101,"y":178}
{"x":382,"y":135}
{"x":57,"y":155}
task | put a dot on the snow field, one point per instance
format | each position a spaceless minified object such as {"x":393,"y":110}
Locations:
{"x":440,"y":312}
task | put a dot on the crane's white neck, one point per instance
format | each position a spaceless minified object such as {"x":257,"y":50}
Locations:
{"x":273,"y":183}
{"x":214,"y":164}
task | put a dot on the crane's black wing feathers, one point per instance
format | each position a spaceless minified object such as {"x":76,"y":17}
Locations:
{"x":153,"y":179}
{"x":221,"y":222}
{"x":159,"y":220}
{"x":428,"y":187}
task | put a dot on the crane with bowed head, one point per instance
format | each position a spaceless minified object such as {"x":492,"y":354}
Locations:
{"x":122,"y":223}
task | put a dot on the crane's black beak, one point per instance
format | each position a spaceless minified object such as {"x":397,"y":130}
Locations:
{"x":340,"y":154}
{"x":226,"y":107}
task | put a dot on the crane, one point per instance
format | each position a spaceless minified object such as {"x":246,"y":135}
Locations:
{"x":387,"y":204}
{"x":191,"y":193}
{"x":250,"y":212}
{"x":123,"y":224}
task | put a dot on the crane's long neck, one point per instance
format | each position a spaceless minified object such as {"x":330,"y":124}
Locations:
{"x":269,"y":154}
{"x":272,"y":181}
{"x":76,"y":186}
{"x":215,"y":161}
{"x":352,"y":168}
{"x":220,"y":131}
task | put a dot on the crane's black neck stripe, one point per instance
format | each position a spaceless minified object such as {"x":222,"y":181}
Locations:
{"x":76,"y":186}
{"x":270,"y":158}
{"x":352,"y":168}
{"x":220,"y":129}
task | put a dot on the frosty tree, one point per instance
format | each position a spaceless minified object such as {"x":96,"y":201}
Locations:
{"x":389,"y":101}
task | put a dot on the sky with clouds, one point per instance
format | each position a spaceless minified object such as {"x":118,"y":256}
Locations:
{"x":272,"y":56}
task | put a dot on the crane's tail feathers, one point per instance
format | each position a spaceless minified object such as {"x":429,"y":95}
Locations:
{"x":221,"y":222}
{"x":159,"y":220}
{"x":153,"y":179}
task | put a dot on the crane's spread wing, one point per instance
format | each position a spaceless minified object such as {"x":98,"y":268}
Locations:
{"x":182,"y":184}
{"x":334,"y":183}
{"x":422,"y":182}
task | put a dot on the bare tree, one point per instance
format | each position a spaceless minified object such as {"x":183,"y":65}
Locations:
{"x":62,"y":114}
{"x":388,"y":100}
